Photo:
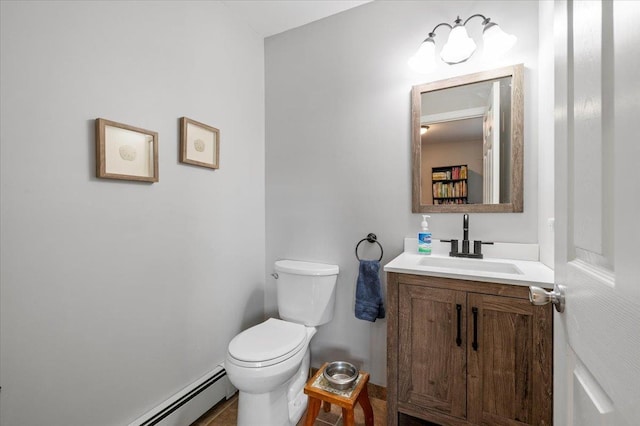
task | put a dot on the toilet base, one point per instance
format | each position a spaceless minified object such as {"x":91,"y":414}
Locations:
{"x":268,"y":409}
{"x":283,"y":406}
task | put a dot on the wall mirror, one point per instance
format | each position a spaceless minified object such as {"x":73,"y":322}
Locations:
{"x":467,"y":143}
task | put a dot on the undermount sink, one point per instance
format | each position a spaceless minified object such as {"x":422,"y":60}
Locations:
{"x":470,"y":265}
{"x":505,"y":263}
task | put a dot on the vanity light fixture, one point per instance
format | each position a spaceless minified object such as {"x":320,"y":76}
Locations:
{"x":460,"y":46}
{"x":424,"y":129}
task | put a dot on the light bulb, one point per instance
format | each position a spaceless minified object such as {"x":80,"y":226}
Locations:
{"x":496,"y":41}
{"x":423,"y":130}
{"x":424,"y":60}
{"x":459,"y":46}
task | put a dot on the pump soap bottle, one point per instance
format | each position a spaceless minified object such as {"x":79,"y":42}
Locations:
{"x":424,"y":237}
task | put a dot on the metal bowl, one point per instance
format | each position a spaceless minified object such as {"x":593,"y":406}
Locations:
{"x":340,"y":374}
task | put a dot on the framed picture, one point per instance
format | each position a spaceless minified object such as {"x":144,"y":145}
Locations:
{"x":199,"y":144}
{"x":126,"y":152}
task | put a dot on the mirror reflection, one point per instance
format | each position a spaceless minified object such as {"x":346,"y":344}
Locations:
{"x":466,"y":147}
{"x":468,"y":143}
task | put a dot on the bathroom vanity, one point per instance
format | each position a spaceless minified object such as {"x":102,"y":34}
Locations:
{"x":464,"y":344}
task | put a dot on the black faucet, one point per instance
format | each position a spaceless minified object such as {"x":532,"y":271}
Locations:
{"x":465,"y":234}
{"x":477,"y":244}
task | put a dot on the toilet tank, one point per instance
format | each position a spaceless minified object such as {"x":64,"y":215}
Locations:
{"x":306,"y":291}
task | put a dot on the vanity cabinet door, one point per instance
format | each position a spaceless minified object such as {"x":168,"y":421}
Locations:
{"x":431,"y":350}
{"x":509,"y":354}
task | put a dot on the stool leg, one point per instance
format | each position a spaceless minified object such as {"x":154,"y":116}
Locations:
{"x":326,"y":406}
{"x":347,"y":416}
{"x":363,"y":399}
{"x":313,"y":408}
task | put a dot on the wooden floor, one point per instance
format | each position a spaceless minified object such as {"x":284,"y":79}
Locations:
{"x":226,"y":414}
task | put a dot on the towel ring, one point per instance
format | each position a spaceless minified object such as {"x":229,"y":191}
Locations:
{"x":372,"y":239}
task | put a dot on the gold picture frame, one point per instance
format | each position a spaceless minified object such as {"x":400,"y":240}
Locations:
{"x":199,"y":144}
{"x":126,"y":152}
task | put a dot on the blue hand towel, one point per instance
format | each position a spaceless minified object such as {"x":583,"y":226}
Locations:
{"x":369,"y":304}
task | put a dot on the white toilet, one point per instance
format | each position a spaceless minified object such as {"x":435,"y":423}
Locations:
{"x":269,"y":362}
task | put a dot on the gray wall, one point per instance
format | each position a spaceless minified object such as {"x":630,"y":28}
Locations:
{"x":338,"y":147}
{"x":546,"y":105}
{"x":115,"y":295}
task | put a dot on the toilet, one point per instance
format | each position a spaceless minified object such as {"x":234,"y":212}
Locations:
{"x":269,"y":362}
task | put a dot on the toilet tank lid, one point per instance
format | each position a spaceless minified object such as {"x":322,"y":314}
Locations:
{"x":306,"y":268}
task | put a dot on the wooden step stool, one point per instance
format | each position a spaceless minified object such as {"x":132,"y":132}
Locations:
{"x":318,"y":390}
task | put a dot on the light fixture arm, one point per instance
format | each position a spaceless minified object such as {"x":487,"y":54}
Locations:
{"x":433,"y":31}
{"x":484,"y":22}
{"x":457,"y":21}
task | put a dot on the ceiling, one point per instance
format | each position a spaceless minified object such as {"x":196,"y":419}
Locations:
{"x":269,"y":17}
{"x":465,"y":130}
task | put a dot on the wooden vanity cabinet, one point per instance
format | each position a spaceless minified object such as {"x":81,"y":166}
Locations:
{"x":467,"y":353}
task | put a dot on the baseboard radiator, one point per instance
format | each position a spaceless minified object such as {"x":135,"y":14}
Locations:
{"x":186,"y":406}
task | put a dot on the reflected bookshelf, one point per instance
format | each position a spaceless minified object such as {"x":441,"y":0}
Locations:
{"x":449,"y":184}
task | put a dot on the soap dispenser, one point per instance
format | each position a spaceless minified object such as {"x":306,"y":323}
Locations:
{"x":424,"y":237}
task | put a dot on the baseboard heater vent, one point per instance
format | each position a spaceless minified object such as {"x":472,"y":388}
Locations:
{"x":186,"y":406}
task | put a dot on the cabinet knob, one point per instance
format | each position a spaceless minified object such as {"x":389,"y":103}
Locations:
{"x":539,"y":296}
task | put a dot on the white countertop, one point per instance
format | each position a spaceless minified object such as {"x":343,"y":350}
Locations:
{"x":531,"y":272}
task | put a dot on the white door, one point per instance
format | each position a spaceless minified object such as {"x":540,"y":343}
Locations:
{"x":597,"y":338}
{"x":491,"y":147}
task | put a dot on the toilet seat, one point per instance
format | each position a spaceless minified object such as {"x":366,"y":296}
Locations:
{"x":268,"y":343}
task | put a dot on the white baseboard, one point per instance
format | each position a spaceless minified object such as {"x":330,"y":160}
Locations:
{"x":187,"y":405}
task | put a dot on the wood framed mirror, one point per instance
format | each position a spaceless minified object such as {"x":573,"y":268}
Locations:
{"x":467,"y":143}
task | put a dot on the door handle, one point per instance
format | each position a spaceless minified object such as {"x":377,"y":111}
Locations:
{"x":539,"y":296}
{"x":475,"y":328}
{"x":459,"y":337}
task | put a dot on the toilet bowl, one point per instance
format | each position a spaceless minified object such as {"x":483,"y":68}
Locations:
{"x":265,"y":372}
{"x":269,"y":362}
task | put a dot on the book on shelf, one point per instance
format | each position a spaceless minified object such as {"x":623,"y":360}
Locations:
{"x":450,"y":201}
{"x":440,"y":176}
{"x":449,"y":173}
{"x":457,"y":189}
